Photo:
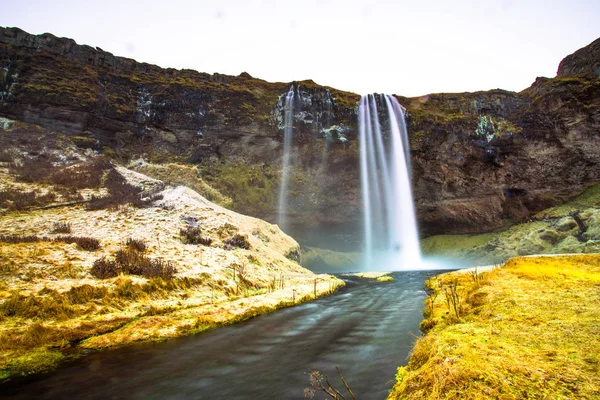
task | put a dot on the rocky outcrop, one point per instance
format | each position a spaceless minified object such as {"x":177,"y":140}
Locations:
{"x":479,"y":159}
{"x":583,"y":61}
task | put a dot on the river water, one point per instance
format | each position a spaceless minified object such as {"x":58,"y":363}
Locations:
{"x":366,"y":329}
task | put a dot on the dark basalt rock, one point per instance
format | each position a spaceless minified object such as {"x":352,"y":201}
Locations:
{"x":479,"y":159}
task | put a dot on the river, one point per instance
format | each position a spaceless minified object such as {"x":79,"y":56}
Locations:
{"x":366,"y":329}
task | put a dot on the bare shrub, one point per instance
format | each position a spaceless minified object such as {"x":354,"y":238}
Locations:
{"x":136,"y":244}
{"x":238,"y":240}
{"x":61,"y":227}
{"x":83,"y":242}
{"x":14,"y":239}
{"x":454,"y":299}
{"x":193,"y":235}
{"x":132,"y":262}
{"x":121,"y":192}
{"x":82,"y":175}
{"x":477,"y":277}
{"x":320,"y":383}
{"x":13,"y":199}
{"x":104,"y":268}
{"x":33,"y":170}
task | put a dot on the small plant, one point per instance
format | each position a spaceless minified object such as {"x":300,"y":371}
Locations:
{"x":61,"y":227}
{"x":432,"y":294}
{"x":104,"y":268}
{"x":193,"y":235}
{"x":453,"y":298}
{"x":132,"y":262}
{"x":160,"y":268}
{"x":13,"y":199}
{"x":293,"y":255}
{"x":477,"y":277}
{"x":135,"y":244}
{"x":237,"y":241}
{"x":82,"y":175}
{"x":121,"y":192}
{"x":83,"y":242}
{"x":14,"y":239}
{"x":317,"y":385}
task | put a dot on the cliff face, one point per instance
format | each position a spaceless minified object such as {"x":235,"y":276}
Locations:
{"x":583,"y":61}
{"x":478,"y":158}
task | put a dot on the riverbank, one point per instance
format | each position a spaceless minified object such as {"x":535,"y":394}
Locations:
{"x":527,"y":330}
{"x":76,"y":278}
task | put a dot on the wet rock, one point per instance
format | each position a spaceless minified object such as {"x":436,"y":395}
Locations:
{"x":551,"y":236}
{"x":566,"y":224}
{"x":569,"y":245}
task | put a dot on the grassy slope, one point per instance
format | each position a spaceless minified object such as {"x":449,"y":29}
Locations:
{"x":51,"y":306}
{"x":527,"y":330}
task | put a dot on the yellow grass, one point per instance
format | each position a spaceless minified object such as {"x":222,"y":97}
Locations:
{"x":530,"y":330}
{"x":50,"y":302}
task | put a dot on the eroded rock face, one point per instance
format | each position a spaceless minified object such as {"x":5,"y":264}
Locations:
{"x":478,"y":158}
{"x":583,"y":61}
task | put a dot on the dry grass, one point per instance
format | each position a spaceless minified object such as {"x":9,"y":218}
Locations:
{"x":50,"y":300}
{"x":528,"y":330}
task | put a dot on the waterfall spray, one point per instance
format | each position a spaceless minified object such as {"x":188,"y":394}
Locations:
{"x":390,"y":226}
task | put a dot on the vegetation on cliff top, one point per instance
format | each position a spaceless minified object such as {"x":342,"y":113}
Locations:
{"x":526,"y":330}
{"x":49,"y":78}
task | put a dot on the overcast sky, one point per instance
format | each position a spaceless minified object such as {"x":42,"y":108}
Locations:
{"x":402,"y":47}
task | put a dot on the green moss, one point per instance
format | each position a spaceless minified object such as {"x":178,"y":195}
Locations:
{"x":37,"y":360}
{"x":83,"y":142}
{"x":252,"y":188}
{"x":454,"y":245}
{"x":109,"y":153}
{"x":589,"y":198}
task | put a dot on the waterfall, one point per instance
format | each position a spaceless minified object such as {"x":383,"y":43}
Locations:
{"x":390,"y":226}
{"x":287,"y":145}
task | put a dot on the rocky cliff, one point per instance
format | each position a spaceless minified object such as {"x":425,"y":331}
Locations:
{"x":479,"y":159}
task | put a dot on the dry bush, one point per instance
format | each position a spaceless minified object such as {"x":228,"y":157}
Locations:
{"x":61,"y":227}
{"x":84,"y":243}
{"x":14,"y":239}
{"x":193,"y":235}
{"x":238,"y":240}
{"x":48,"y":169}
{"x":68,"y":193}
{"x":13,"y":199}
{"x":320,"y":383}
{"x":33,"y":170}
{"x":454,"y":297}
{"x":120,"y":192}
{"x":82,"y":175}
{"x":136,"y":244}
{"x":132,"y":262}
{"x":104,"y":268}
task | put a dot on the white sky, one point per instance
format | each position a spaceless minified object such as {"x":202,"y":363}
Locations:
{"x":408,"y":48}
